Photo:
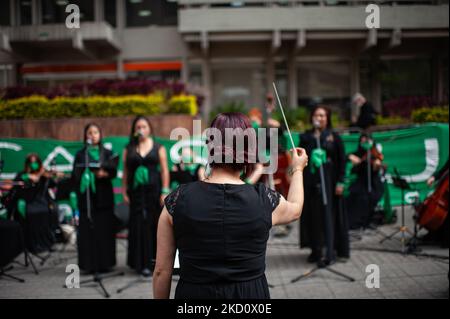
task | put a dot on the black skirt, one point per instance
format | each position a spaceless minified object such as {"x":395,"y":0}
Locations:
{"x":100,"y":241}
{"x":252,"y":289}
{"x":144,"y":215}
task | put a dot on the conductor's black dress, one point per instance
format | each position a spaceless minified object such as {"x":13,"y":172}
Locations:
{"x":145,"y":208}
{"x":221,"y":233}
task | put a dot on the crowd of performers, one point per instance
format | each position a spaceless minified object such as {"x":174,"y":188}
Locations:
{"x":341,"y":192}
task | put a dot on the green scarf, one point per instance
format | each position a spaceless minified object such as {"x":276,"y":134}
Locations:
{"x":94,"y":152}
{"x":73,"y":201}
{"x":349,"y":178}
{"x":141,"y":176}
{"x":366,"y":145}
{"x":22,"y":207}
{"x":87,"y":180}
{"x":318,"y":158}
{"x":3,"y":214}
{"x":255,"y":126}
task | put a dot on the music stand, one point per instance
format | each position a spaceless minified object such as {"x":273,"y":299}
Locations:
{"x":97,"y":277}
{"x":403,"y":185}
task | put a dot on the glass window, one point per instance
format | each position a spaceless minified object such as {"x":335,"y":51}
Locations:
{"x":86,"y":9}
{"x":169,"y":12}
{"x":325,"y":83}
{"x":142,"y":13}
{"x":25,"y":10}
{"x":54,"y":11}
{"x":242,"y":84}
{"x":4,"y":13}
{"x":110,"y":12}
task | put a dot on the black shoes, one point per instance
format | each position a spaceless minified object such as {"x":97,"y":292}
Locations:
{"x":146,"y":273}
{"x":313,"y":258}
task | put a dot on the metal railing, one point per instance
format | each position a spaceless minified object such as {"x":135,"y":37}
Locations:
{"x":88,"y":30}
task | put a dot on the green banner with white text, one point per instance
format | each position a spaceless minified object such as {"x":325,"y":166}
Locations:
{"x":416,"y":152}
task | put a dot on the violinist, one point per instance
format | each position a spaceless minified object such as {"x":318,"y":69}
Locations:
{"x":368,"y":188}
{"x":33,"y":205}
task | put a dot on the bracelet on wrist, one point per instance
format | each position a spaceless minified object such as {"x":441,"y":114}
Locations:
{"x":165,"y":191}
{"x":292,"y":170}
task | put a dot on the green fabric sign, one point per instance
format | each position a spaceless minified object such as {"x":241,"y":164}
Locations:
{"x":417,"y":152}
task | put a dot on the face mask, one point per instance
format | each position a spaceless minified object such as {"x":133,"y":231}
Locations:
{"x":187,"y":159}
{"x":367,"y":145}
{"x":34,"y":166}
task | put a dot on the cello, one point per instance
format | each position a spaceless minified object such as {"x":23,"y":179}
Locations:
{"x":433,"y":211}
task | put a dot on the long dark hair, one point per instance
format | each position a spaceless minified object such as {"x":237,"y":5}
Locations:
{"x":232,"y":120}
{"x":327,"y":112}
{"x":133,"y":141}
{"x":86,"y":129}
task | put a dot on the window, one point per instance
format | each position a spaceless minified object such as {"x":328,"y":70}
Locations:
{"x":86,"y":9}
{"x":25,"y":10}
{"x":325,"y":83}
{"x":54,"y":11}
{"x":240,"y":84}
{"x":142,"y":13}
{"x":4,"y":13}
{"x":110,"y":12}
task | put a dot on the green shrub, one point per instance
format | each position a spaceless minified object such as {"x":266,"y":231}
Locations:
{"x":433,"y":114}
{"x":391,"y":120}
{"x":34,"y":107}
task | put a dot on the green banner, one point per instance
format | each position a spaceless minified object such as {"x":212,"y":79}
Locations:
{"x":417,"y":152}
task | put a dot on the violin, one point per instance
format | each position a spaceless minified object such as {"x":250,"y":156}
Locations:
{"x":375,"y":154}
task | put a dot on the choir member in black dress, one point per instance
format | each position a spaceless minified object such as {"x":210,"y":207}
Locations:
{"x":313,"y":225}
{"x":33,"y":206}
{"x":363,"y":198}
{"x":221,"y":225}
{"x":144,"y":188}
{"x":100,"y":239}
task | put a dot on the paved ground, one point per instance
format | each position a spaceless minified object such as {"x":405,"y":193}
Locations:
{"x":401,"y":276}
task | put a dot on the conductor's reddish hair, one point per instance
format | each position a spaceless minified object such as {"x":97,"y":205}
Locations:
{"x":233,"y":120}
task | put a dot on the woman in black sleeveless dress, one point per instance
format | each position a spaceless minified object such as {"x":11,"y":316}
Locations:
{"x":101,"y":239}
{"x":144,"y":188}
{"x":221,"y":226}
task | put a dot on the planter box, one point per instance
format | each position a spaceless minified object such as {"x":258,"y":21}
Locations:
{"x":71,"y":129}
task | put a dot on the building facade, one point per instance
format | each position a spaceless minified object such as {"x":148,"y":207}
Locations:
{"x":317,"y":51}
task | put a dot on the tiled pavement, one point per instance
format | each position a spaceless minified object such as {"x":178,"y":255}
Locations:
{"x":401,"y":276}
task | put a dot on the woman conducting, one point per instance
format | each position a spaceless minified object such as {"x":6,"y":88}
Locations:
{"x":221,"y":225}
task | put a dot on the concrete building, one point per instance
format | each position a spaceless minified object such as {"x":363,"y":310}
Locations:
{"x":315,"y":50}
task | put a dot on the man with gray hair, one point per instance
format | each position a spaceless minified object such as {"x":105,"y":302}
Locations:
{"x":367,"y":114}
